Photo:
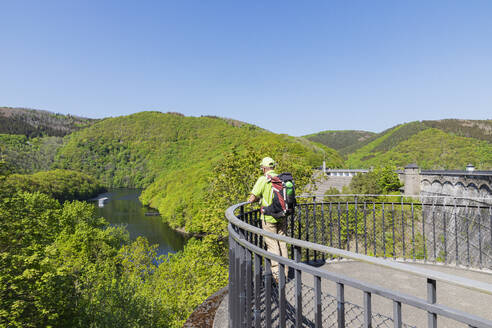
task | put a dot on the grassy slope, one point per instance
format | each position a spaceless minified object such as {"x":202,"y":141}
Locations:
{"x":430,"y":148}
{"x":171,"y":155}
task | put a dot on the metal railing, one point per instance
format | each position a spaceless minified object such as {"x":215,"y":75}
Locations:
{"x":381,"y":231}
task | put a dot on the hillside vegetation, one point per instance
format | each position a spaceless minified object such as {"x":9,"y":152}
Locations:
{"x":36,"y":123}
{"x":478,"y":129}
{"x":342,"y":141}
{"x":29,"y":138}
{"x":445,"y":144}
{"x":28,"y":155}
{"x":174,"y":157}
{"x":63,"y":266}
{"x":60,"y":184}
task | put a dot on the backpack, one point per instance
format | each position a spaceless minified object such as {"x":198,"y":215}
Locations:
{"x":284,"y":196}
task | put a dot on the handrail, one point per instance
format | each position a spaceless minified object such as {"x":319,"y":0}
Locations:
{"x":400,"y":196}
{"x":387,"y":263}
{"x":472,"y":320}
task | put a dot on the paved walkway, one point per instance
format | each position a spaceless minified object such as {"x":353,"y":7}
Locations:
{"x":449,"y":295}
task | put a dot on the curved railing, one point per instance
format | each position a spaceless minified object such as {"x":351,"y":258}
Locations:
{"x":378,"y":231}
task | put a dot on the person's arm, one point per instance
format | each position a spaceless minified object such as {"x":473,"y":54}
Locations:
{"x":257,"y":190}
{"x":252,"y":198}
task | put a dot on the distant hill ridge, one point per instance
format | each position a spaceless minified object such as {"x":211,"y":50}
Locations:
{"x":35,"y":122}
{"x":440,"y":144}
{"x":341,"y":140}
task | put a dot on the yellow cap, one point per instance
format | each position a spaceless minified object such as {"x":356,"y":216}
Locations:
{"x":268,"y":162}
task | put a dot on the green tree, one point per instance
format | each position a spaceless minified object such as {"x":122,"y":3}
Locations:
{"x":381,"y":180}
{"x":62,"y":266}
{"x":60,"y":184}
{"x":234,"y":176}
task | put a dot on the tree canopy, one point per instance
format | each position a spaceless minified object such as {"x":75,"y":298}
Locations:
{"x":60,"y":184}
{"x":379,"y":181}
{"x":62,"y":266}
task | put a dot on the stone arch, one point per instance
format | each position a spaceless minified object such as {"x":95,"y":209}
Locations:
{"x":448,"y":188}
{"x":425,"y":183}
{"x":484,"y":191}
{"x":471,"y":190}
{"x":459,"y":188}
{"x":436,"y":186}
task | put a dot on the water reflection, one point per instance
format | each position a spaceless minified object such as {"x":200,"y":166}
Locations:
{"x":123,"y":207}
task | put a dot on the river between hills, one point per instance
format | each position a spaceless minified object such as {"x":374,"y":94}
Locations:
{"x":124,"y":208}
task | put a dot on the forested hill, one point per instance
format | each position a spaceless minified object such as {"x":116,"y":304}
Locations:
{"x":176,"y":157}
{"x":343,"y":140}
{"x":36,"y":123}
{"x":443,"y":144}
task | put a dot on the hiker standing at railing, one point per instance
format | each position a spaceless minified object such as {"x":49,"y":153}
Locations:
{"x":263,"y":191}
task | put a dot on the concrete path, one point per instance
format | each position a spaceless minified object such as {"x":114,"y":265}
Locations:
{"x":449,"y":295}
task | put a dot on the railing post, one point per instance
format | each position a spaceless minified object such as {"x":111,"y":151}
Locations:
{"x":423,"y":234}
{"x":339,"y":226}
{"x":467,"y":236}
{"x":480,"y":265}
{"x":384,"y":232}
{"x":256,"y":238}
{"x":323,"y":228}
{"x":393,"y":228}
{"x":457,"y":255}
{"x":268,"y":293}
{"x":331,"y":224}
{"x":315,"y":229}
{"x":403,"y":228}
{"x":431,"y":298}
{"x":298,"y":279}
{"x":232,"y":283}
{"x":241,"y":212}
{"x":434,"y":240}
{"x":292,"y":231}
{"x":299,"y":222}
{"x":397,"y":314}
{"x":445,"y":232}
{"x":356,"y":226}
{"x":413,"y":232}
{"x":347,"y":225}
{"x":367,"y":310}
{"x":365,"y":229}
{"x":341,"y":305}
{"x":281,"y":291}
{"x":249,"y":286}
{"x":490,"y":224}
{"x":318,"y":308}
{"x":257,"y":315}
{"x":374,"y":227}
{"x":307,"y":230}
{"x":242,"y":287}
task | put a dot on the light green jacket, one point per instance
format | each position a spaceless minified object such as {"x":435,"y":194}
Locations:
{"x":263,"y":189}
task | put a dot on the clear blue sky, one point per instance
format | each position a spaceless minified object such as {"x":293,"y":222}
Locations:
{"x":293,"y":67}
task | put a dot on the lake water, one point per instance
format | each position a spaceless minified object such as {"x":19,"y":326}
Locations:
{"x":124,"y":208}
